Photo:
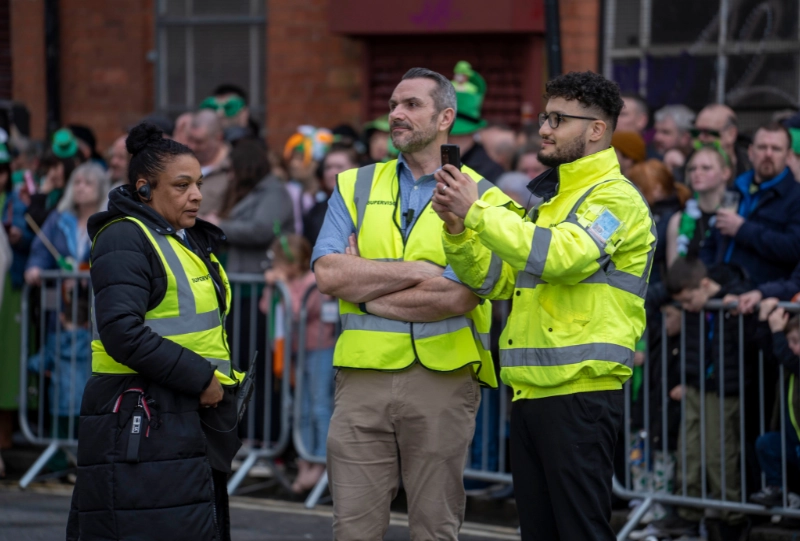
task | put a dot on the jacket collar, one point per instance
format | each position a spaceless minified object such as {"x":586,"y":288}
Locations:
{"x":782,"y":183}
{"x":580,"y":174}
{"x":589,"y":170}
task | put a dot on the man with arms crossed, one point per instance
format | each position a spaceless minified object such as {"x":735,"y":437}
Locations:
{"x":577,"y":271}
{"x":415,"y":341}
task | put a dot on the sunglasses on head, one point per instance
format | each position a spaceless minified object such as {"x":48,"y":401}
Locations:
{"x":697,"y":132}
{"x":229,"y":108}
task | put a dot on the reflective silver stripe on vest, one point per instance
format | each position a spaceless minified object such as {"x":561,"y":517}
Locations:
{"x":527,"y":281}
{"x":221,"y":365}
{"x":511,"y":358}
{"x":173,"y":326}
{"x":483,"y":187}
{"x":539,"y":248}
{"x":483,"y":338}
{"x":188,"y":320}
{"x":369,"y":322}
{"x":438,"y":328}
{"x":636,"y":285}
{"x":492,"y":276}
{"x":361,"y":192}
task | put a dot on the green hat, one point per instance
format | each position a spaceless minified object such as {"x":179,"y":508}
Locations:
{"x":463,"y":68}
{"x":795,"y":133}
{"x":379,"y":124}
{"x":5,"y":155}
{"x":468,"y":114}
{"x":469,"y":103}
{"x":391,"y":151}
{"x":64,"y":144}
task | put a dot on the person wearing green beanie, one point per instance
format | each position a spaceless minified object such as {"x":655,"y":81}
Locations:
{"x":376,"y":137}
{"x":470,"y":93}
{"x":57,"y":166}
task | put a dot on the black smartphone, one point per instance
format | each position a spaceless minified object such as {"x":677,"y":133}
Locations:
{"x":451,"y":154}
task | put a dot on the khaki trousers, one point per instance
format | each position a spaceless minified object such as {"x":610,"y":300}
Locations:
{"x":414,"y":424}
{"x":714,"y":459}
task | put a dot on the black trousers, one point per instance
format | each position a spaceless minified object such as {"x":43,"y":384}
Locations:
{"x":562,"y":461}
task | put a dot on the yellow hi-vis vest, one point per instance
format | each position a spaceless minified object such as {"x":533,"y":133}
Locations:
{"x":577,"y":271}
{"x":368,"y":341}
{"x":189,"y":314}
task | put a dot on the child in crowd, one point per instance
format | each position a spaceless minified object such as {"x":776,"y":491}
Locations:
{"x":691,"y":284}
{"x":786,"y":350}
{"x":66,"y":361}
{"x":291,"y":264}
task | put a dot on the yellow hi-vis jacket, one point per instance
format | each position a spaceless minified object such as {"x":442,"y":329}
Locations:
{"x":371,"y":342}
{"x":577,"y":271}
{"x":189,"y":314}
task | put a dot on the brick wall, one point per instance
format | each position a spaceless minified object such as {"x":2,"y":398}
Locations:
{"x":27,"y":60}
{"x":580,"y":26}
{"x":313,"y":76}
{"x":106,"y":79}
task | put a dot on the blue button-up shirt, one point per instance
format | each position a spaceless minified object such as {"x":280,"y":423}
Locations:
{"x":415,"y":194}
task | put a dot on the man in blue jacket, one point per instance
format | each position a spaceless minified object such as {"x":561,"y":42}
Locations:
{"x":764,"y":236}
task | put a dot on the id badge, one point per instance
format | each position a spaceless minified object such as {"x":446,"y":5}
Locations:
{"x":604,"y":227}
{"x":329,"y":312}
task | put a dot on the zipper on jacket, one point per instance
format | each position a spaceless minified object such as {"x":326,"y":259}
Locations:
{"x":213,"y":490}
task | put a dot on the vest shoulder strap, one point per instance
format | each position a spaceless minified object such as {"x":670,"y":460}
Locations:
{"x":364,"y":180}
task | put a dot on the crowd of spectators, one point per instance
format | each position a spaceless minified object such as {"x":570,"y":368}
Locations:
{"x":724,"y":203}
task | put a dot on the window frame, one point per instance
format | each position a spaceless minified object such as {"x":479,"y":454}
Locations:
{"x":253,"y":21}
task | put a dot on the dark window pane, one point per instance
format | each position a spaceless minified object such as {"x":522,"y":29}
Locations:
{"x":176,"y":66}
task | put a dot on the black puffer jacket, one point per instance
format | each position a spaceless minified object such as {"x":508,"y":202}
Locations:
{"x":167,"y":493}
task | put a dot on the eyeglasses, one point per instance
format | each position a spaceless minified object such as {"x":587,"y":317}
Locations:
{"x":697,"y":132}
{"x":554,"y":119}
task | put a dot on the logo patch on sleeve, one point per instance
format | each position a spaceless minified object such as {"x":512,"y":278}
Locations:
{"x":604,"y":226}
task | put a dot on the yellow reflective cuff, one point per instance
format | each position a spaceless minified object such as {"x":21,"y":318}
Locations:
{"x":475,"y":213}
{"x":461,"y":238}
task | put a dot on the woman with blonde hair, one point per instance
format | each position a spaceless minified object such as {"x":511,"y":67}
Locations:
{"x":689,"y":232}
{"x":65,"y":228}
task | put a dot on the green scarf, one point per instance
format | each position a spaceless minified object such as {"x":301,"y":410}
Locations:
{"x":688,"y":225}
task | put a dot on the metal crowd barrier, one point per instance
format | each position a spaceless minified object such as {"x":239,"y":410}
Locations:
{"x":53,"y":429}
{"x":680,"y":498}
{"x":68,"y":296}
{"x":262,"y":440}
{"x":62,"y":317}
{"x":257,"y":444}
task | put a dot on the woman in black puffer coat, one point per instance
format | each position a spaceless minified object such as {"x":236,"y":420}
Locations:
{"x":158,"y":419}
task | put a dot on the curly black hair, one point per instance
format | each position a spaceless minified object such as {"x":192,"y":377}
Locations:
{"x":591,"y":90}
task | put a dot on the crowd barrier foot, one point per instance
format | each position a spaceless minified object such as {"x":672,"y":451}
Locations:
{"x":635,"y":519}
{"x":39,"y":465}
{"x":242,"y":472}
{"x":316,"y":494}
